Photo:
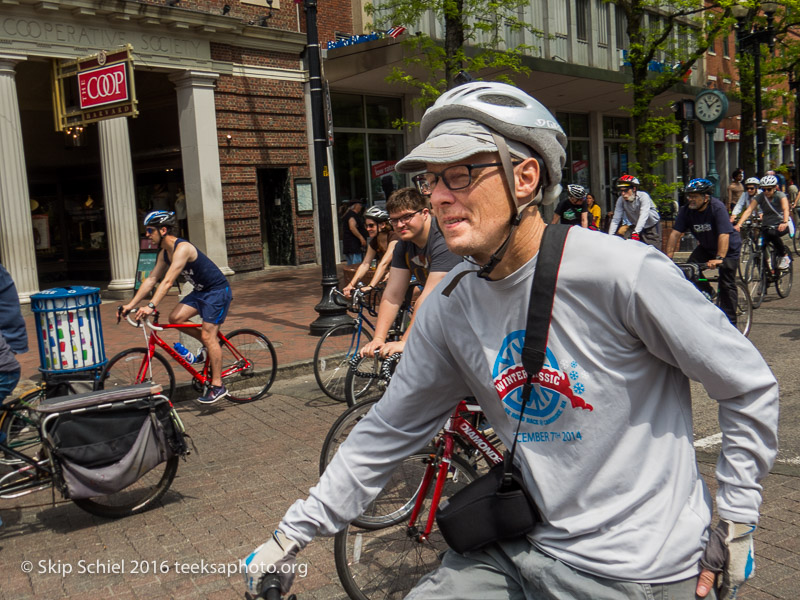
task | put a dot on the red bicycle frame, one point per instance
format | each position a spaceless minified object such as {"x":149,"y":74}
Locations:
{"x":456,"y":425}
{"x":154,"y":340}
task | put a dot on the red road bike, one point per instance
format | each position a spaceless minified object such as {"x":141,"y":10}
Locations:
{"x":249,"y":363}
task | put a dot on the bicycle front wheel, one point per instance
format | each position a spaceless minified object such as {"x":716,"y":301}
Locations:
{"x":339,"y":431}
{"x":20,"y":426}
{"x":385,"y":563}
{"x":756,"y":280}
{"x":131,"y":366}
{"x":359,"y":388}
{"x":783,"y":284}
{"x":332,"y":357}
{"x":249,"y":365}
{"x":137,"y":497}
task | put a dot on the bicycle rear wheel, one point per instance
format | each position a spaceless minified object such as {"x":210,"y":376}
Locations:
{"x":251,"y":364}
{"x":131,"y":366}
{"x":756,"y":280}
{"x":359,"y":389}
{"x":783,"y":283}
{"x":332,"y":356}
{"x":385,"y":563}
{"x":137,"y":497}
{"x":20,"y":426}
{"x":795,"y":242}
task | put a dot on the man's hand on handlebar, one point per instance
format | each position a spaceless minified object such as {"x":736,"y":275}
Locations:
{"x":392,"y":348}
{"x":371,"y":348}
{"x":143,"y":312}
{"x":277,"y":556}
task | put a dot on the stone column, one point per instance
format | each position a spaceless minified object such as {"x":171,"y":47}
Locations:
{"x":200,"y":157}
{"x":120,"y":202}
{"x":16,"y":228}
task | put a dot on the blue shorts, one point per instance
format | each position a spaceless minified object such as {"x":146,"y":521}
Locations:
{"x":212,"y":304}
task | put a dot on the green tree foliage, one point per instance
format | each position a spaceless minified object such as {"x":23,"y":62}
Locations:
{"x":475,"y":39}
{"x":666,"y":39}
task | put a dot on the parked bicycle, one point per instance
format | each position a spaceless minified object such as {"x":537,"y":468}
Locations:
{"x":385,"y":555}
{"x":744,"y":305}
{"x":249,"y":363}
{"x":113,"y":452}
{"x":342,"y":342}
{"x":763,"y":270}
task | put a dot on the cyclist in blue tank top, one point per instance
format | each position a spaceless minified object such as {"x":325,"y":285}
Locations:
{"x":210,"y":298}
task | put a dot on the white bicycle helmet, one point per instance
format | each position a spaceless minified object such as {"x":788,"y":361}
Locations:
{"x":516,"y":117}
{"x":576,"y":191}
{"x":376,"y":213}
{"x":769,"y":181}
{"x":752,"y":181}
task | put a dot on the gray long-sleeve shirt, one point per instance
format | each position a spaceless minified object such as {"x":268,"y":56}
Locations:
{"x":606,"y":448}
{"x":640,"y":211}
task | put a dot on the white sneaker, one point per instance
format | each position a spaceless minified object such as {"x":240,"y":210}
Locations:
{"x":785,"y":263}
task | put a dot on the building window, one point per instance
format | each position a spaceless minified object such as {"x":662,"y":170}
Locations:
{"x":366,"y":146}
{"x":577,"y":168}
{"x":582,"y":19}
{"x":726,"y":51}
{"x":602,"y":25}
{"x":621,"y":25}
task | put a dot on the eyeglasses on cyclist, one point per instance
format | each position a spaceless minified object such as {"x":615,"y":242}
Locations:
{"x":457,"y":177}
{"x":402,"y":220}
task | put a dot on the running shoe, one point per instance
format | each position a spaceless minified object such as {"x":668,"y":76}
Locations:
{"x":785,"y":263}
{"x":214,"y":394}
{"x":201,"y":356}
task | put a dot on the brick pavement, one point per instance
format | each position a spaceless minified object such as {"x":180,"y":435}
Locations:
{"x":252,"y":462}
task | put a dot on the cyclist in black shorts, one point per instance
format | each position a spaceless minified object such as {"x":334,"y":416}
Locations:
{"x":210,"y":299}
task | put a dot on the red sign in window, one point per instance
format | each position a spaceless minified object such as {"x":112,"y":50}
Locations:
{"x":103,"y":86}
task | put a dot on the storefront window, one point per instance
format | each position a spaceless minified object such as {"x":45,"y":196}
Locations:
{"x":348,"y":162}
{"x":382,"y":112}
{"x":348,"y":110}
{"x":364,"y":155}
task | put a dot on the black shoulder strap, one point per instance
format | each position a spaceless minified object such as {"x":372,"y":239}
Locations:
{"x":540,"y":306}
{"x":537,"y":327}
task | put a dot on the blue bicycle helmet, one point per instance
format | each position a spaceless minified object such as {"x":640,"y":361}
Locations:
{"x":699,"y":186}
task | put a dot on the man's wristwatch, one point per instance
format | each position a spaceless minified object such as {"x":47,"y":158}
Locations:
{"x":151,"y":305}
{"x":718,"y":257}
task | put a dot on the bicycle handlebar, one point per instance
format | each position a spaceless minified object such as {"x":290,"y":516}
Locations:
{"x":270,"y":589}
{"x":146,"y":320}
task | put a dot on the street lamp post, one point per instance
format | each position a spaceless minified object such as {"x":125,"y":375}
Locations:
{"x":330,"y":313}
{"x":751,"y":38}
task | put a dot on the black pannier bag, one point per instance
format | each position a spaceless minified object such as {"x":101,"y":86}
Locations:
{"x":104,"y":449}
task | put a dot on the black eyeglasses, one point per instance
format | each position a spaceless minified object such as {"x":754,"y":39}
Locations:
{"x":405,"y":218}
{"x":751,"y":187}
{"x":457,"y":177}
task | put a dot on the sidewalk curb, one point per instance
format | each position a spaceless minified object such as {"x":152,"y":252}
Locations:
{"x":185,"y":392}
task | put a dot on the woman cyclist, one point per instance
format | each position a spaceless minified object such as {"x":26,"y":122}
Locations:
{"x":380,"y":247}
{"x":775,"y":216}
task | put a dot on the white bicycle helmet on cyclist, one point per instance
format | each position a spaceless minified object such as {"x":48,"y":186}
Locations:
{"x":576,"y":191}
{"x":769,"y":181}
{"x":480,"y":117}
{"x":376,"y":213}
{"x":160,"y":218}
{"x":752,"y":181}
{"x":486,"y":117}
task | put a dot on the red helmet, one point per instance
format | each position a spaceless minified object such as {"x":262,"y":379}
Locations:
{"x":626,"y":181}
